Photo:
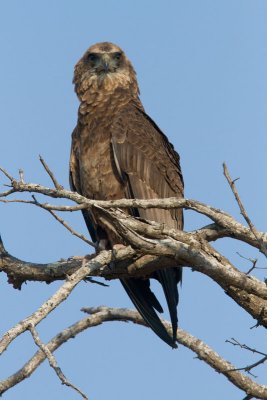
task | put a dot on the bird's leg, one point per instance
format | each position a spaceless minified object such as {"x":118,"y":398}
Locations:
{"x":102,"y":244}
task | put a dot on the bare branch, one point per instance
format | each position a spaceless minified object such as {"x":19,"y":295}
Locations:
{"x":235,"y":342}
{"x":243,"y":211}
{"x":172,"y":248}
{"x":223,"y":220}
{"x":71,"y":230}
{"x":52,"y":361}
{"x":61,"y":294}
{"x":6,"y":174}
{"x":181,"y":247}
{"x":252,"y":260}
{"x":248,"y":368}
{"x":50,"y":173}
{"x":18,"y":201}
{"x":50,"y":210}
{"x":203,"y":351}
{"x":21,"y":175}
{"x":64,"y":223}
{"x":5,"y":194}
{"x":104,"y":314}
{"x":152,"y":246}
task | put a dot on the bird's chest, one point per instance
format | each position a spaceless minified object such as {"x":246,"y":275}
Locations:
{"x":97,"y":168}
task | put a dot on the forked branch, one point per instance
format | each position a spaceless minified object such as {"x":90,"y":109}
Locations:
{"x":147,"y":247}
{"x":101,"y":315}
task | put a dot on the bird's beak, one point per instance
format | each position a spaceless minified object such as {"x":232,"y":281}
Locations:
{"x":106,"y":66}
{"x":105,"y":63}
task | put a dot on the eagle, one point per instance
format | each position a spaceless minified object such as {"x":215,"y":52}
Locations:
{"x":118,"y":152}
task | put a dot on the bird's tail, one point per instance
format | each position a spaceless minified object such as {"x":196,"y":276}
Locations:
{"x":146,"y":302}
{"x":169,"y":279}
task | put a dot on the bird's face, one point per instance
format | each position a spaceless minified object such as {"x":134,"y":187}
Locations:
{"x":104,"y":65}
{"x":101,"y":63}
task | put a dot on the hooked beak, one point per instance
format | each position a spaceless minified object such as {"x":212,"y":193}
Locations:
{"x":105,"y":66}
{"x":105,"y":63}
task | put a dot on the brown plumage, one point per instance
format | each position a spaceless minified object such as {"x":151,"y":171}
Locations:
{"x":117,"y":152}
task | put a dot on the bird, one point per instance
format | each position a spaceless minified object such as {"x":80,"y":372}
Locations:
{"x":117,"y":152}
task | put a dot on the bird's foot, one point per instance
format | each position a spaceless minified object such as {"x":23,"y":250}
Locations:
{"x":115,"y":250}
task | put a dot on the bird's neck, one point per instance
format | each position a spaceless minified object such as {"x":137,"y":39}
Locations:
{"x":102,"y":100}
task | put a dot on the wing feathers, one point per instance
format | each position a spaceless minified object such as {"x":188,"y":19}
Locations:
{"x":152,"y":168}
{"x":148,"y":167}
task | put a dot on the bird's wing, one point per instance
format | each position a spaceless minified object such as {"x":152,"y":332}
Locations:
{"x":144,"y":155}
{"x":75,"y":181}
{"x":150,"y":168}
{"x":74,"y":162}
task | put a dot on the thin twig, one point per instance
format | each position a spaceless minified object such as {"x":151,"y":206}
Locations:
{"x":52,"y":361}
{"x":235,"y":342}
{"x":221,"y":218}
{"x":103,"y":258}
{"x":50,"y":173}
{"x":248,"y":368}
{"x":242,"y":209}
{"x":225,"y":225}
{"x":64,"y":223}
{"x":91,"y":280}
{"x":6,"y":174}
{"x":45,"y":206}
{"x":252,"y":260}
{"x":71,"y":230}
{"x":21,"y":175}
{"x":18,"y":201}
{"x":7,"y":193}
{"x":256,"y":364}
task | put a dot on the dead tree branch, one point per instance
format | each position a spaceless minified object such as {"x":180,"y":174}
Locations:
{"x":146,"y":247}
{"x":50,"y":173}
{"x":61,"y":294}
{"x":248,"y":368}
{"x":52,"y":361}
{"x":105,"y":314}
{"x":64,"y":223}
{"x":156,"y":241}
{"x":231,"y":182}
{"x":223,"y":221}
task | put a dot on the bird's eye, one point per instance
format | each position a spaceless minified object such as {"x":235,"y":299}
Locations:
{"x":92,"y":57}
{"x":117,"y":56}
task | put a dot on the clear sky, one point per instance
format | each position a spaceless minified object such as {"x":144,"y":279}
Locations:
{"x":202,"y":71}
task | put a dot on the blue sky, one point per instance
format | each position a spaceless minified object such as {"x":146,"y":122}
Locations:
{"x":202,"y":71}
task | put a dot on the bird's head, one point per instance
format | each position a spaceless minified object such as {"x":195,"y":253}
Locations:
{"x":104,"y":66}
{"x":105,"y":58}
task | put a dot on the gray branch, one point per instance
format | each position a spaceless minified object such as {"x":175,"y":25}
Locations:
{"x":145,"y":247}
{"x":105,"y":314}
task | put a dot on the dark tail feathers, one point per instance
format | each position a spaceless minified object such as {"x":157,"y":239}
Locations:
{"x":146,"y":302}
{"x":168,"y":280}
